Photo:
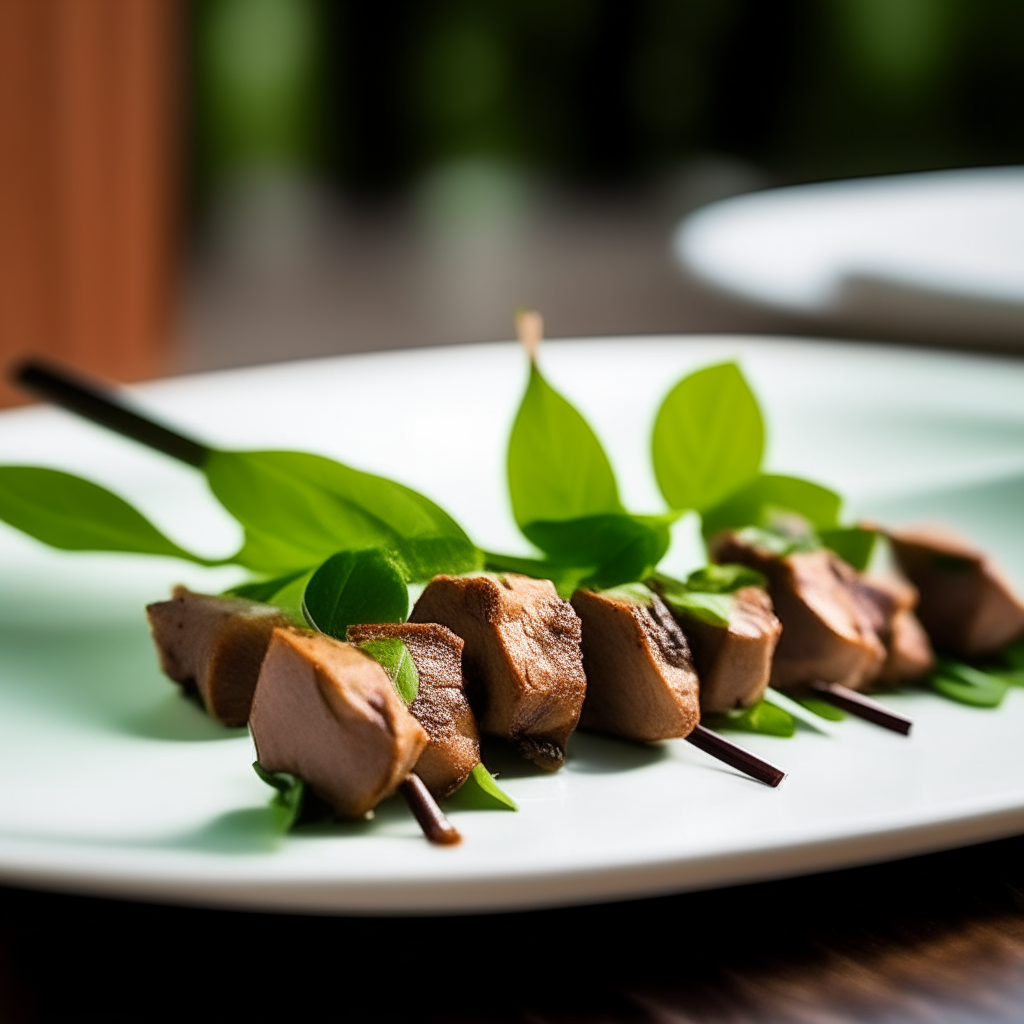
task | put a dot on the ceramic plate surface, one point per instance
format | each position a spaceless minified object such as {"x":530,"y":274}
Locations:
{"x":941,"y":252}
{"x":114,"y":784}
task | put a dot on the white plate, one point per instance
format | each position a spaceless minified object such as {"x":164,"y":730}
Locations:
{"x":941,"y":253}
{"x":113,"y":784}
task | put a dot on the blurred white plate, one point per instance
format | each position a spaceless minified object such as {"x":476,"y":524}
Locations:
{"x":114,"y":784}
{"x":939,"y":253}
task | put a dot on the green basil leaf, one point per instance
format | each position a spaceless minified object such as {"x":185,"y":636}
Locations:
{"x":73,"y":514}
{"x":799,"y":711}
{"x":396,"y":660}
{"x":557,"y":469}
{"x":853,"y":544}
{"x":355,"y":587}
{"x":289,"y":598}
{"x":769,"y":498}
{"x":708,"y":438}
{"x":481,"y":793}
{"x":298,"y":508}
{"x":726,"y":578}
{"x":822,"y":708}
{"x":714,"y":609}
{"x":968,"y":685}
{"x":286,"y":803}
{"x":762,"y":718}
{"x":263,"y":590}
{"x":617,"y":547}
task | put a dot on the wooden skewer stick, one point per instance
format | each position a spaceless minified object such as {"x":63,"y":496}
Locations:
{"x":735,"y":756}
{"x":863,"y":707}
{"x":102,"y":405}
{"x":436,"y":827}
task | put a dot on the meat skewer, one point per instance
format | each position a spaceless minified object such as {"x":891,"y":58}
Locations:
{"x":641,"y":680}
{"x":839,"y":629}
{"x":217,"y":648}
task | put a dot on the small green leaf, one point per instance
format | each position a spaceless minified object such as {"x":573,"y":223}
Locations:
{"x":853,"y":544}
{"x":714,"y":609}
{"x":761,"y":718}
{"x":298,"y":508}
{"x":968,"y":685}
{"x":396,"y":660}
{"x":798,"y":710}
{"x":73,"y":514}
{"x":355,"y":587}
{"x":1013,"y":655}
{"x":822,"y":708}
{"x":481,"y":793}
{"x":286,"y":803}
{"x":771,"y":498}
{"x":708,"y":438}
{"x":557,"y":469}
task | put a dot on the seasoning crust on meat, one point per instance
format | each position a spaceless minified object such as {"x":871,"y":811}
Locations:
{"x":522,"y":663}
{"x":641,"y":682}
{"x":328,"y":713}
{"x":213,"y":647}
{"x":441,"y":706}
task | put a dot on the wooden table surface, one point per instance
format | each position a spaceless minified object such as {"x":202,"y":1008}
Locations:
{"x":933,"y":938}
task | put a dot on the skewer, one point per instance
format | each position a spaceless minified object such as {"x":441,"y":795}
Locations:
{"x":863,"y":707}
{"x":736,"y":757}
{"x":436,"y":827}
{"x":103,"y":406}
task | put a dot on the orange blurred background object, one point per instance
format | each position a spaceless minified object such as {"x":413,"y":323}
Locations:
{"x":89,"y":171}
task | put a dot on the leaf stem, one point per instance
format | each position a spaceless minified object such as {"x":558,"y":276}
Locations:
{"x":102,"y":405}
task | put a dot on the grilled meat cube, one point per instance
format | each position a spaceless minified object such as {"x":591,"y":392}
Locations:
{"x":967,"y":606}
{"x":734,"y":662}
{"x":521,"y":662}
{"x":890,"y":603}
{"x":641,"y":683}
{"x":827,"y":632}
{"x":327,"y":712}
{"x":213,"y":647}
{"x":440,"y":706}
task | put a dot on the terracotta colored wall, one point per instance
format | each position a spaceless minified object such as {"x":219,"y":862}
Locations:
{"x":88,"y":178}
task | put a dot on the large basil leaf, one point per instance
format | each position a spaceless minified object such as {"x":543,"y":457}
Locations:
{"x":770,"y":496}
{"x":298,"y":508}
{"x":355,"y":587}
{"x":708,"y":438}
{"x":481,"y":793}
{"x":73,"y":514}
{"x":395,"y":659}
{"x":557,"y":468}
{"x":618,"y":547}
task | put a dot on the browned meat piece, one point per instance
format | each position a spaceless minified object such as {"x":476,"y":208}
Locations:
{"x":890,"y":603}
{"x":213,"y":646}
{"x":522,"y":662}
{"x":734,"y":662}
{"x":327,"y":712}
{"x":967,"y":605}
{"x":827,"y":633}
{"x":641,"y":683}
{"x":440,"y":706}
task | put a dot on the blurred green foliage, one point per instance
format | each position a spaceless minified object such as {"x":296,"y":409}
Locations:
{"x":371,"y":95}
